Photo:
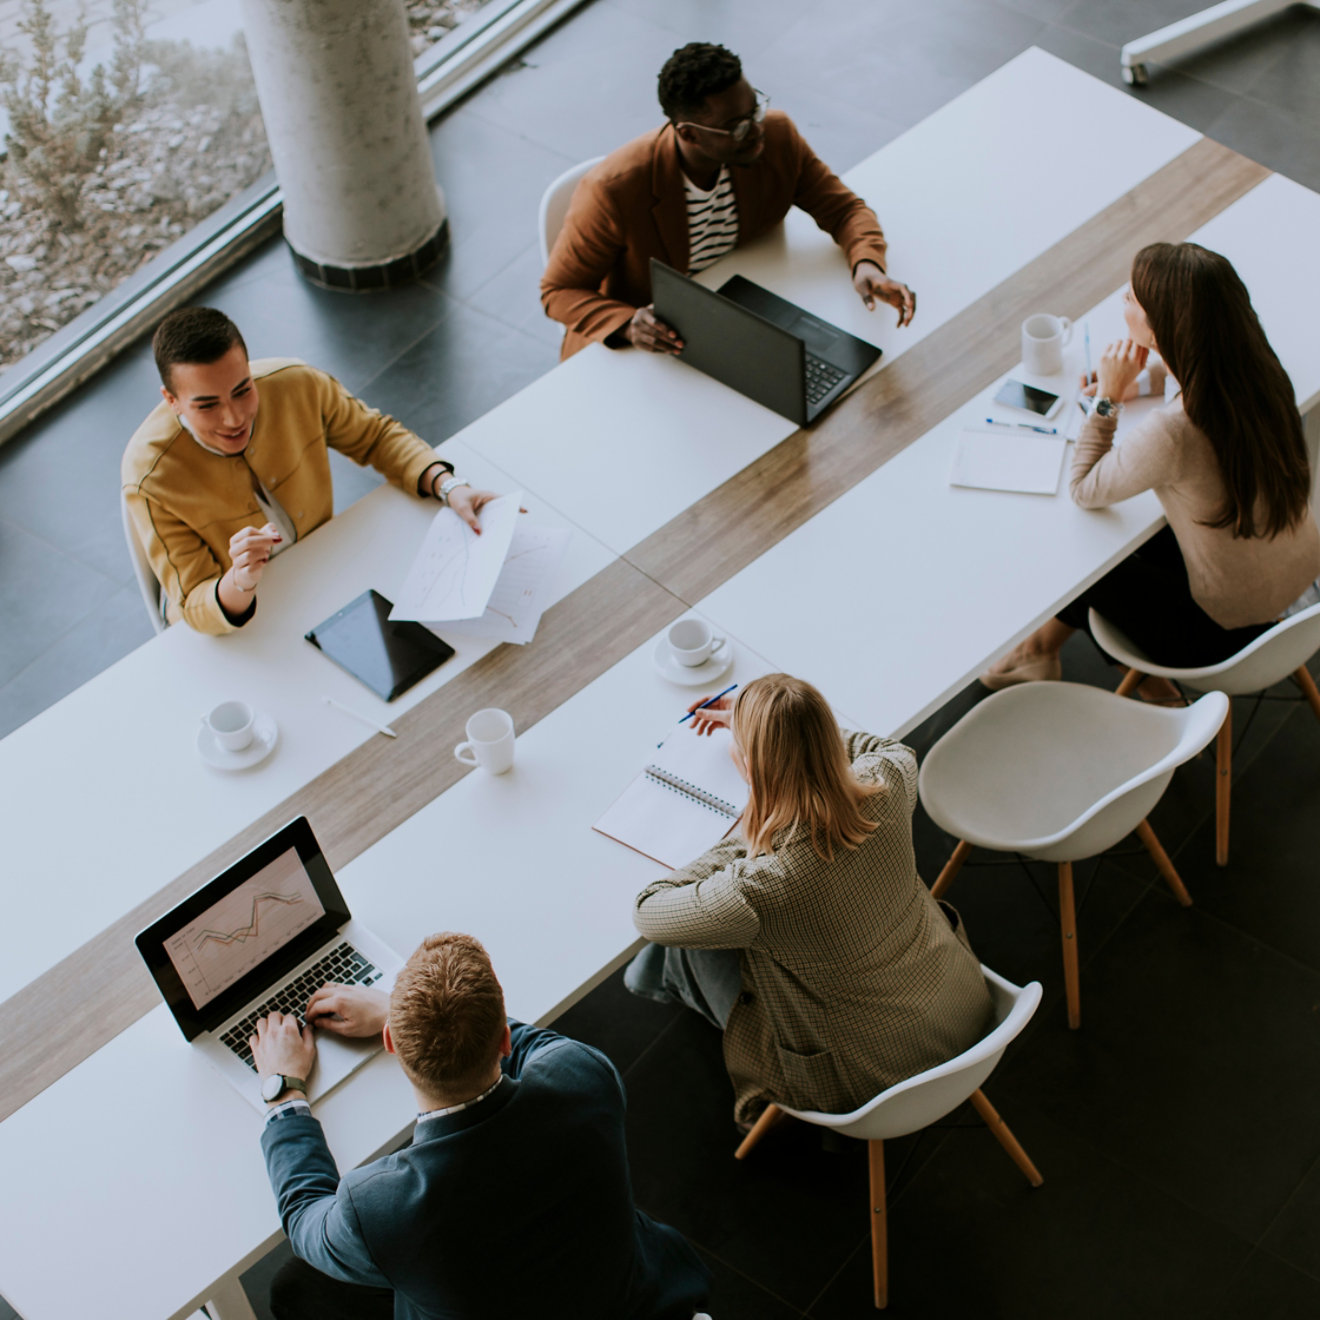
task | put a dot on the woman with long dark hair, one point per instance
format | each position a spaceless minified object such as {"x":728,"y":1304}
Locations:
{"x":1225,"y":457}
{"x":808,"y":935}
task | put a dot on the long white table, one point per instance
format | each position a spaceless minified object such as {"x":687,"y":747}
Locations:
{"x":614,"y":445}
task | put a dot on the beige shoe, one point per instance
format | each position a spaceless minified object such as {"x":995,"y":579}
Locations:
{"x":1046,"y":668}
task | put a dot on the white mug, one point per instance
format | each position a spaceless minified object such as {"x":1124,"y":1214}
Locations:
{"x":692,"y":642}
{"x":1043,"y":340}
{"x":230,"y":724}
{"x":489,"y":741}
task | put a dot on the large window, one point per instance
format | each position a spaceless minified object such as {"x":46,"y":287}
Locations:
{"x":126,"y":123}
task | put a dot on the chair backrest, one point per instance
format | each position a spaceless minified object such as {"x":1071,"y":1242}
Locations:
{"x":1272,"y":656}
{"x":1030,"y":768}
{"x":146,"y":579}
{"x":554,"y":205}
{"x":915,"y":1103}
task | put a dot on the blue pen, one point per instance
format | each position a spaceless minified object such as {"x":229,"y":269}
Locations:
{"x":710,"y":702}
{"x":1023,"y":426}
{"x":1086,"y":341}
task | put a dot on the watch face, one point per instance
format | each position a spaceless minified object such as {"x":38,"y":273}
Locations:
{"x":272,"y":1086}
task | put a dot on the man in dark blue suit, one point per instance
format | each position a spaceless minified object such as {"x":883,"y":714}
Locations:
{"x":514,"y":1197}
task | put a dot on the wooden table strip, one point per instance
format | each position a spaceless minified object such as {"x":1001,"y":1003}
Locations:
{"x":68,"y":1013}
{"x":705,"y":545}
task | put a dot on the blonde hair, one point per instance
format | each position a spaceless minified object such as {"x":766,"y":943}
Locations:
{"x":797,"y":768}
{"x":447,"y":1015}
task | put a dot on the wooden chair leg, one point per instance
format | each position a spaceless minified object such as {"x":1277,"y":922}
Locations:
{"x":1005,"y":1138}
{"x":1166,"y":867}
{"x":951,"y":869}
{"x":1068,"y":929}
{"x":1223,"y":786}
{"x":1131,"y":680}
{"x":770,"y":1115}
{"x":879,"y":1226}
{"x":1309,"y":689}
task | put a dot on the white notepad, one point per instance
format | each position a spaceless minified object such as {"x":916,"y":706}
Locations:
{"x":995,"y":458}
{"x":686,"y":799}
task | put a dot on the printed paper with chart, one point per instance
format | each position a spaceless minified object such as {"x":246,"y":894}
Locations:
{"x":456,"y":570}
{"x":524,"y":589}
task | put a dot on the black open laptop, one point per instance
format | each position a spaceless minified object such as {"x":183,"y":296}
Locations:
{"x":760,"y":344}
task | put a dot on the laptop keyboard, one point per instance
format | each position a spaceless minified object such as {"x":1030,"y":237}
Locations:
{"x":821,"y":378}
{"x":343,"y":964}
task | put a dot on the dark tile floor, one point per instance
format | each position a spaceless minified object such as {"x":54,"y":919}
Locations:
{"x":1181,"y":1153}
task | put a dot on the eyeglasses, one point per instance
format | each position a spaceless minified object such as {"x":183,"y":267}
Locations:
{"x":742,"y":127}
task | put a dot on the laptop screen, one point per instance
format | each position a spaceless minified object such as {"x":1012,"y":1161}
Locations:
{"x":228,"y":943}
{"x":221,"y":945}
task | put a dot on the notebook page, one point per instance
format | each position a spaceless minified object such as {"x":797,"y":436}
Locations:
{"x":656,"y":818}
{"x":1007,"y":460}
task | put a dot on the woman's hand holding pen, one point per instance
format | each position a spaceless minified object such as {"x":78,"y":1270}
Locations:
{"x":718,"y":715}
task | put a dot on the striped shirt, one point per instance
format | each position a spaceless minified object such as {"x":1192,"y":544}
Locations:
{"x":712,"y":217}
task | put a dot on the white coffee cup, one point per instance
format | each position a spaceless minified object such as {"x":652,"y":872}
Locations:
{"x":691,"y":642}
{"x":230,"y":724}
{"x":1043,"y":340}
{"x":489,"y":741}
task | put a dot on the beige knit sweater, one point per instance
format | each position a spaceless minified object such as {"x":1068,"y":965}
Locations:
{"x":1236,"y":581}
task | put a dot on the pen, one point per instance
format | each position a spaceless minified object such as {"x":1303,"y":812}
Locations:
{"x":357,"y":714}
{"x":1023,"y":426}
{"x":1086,"y":344}
{"x":710,"y":701}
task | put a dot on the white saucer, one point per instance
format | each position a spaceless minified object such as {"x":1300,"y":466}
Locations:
{"x":265,"y":734}
{"x":715,"y":666}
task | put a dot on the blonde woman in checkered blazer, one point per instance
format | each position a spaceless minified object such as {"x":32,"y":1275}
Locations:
{"x":808,"y":935}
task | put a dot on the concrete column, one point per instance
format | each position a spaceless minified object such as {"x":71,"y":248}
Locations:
{"x":362,"y":209}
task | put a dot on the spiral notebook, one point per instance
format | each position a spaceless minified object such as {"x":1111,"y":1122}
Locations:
{"x":687,"y":798}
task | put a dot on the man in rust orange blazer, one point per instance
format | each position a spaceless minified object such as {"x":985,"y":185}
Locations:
{"x":718,"y":173}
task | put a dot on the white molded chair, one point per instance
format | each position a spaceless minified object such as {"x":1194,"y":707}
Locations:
{"x":554,"y":205}
{"x":1059,"y":772}
{"x":915,"y":1103}
{"x":1272,"y":657}
{"x":146,"y":579}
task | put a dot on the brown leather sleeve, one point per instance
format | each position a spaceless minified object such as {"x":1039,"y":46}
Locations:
{"x":587,"y":250}
{"x":838,"y":210}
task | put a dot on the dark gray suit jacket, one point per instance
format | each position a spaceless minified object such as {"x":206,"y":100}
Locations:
{"x":518,"y":1206}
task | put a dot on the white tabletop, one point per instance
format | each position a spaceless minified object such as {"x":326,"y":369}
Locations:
{"x":649,"y":436}
{"x":147,"y":1123}
{"x":949,"y":578}
{"x":116,"y":761}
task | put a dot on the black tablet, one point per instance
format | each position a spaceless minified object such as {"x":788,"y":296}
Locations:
{"x":388,"y":657}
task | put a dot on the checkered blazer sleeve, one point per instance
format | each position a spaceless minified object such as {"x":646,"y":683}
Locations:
{"x":897,"y":763}
{"x":700,"y":905}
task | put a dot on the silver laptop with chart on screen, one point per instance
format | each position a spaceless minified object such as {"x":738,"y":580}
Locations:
{"x":262,"y":937}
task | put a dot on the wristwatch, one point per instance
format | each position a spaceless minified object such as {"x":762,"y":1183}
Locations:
{"x":276,"y":1084}
{"x":449,"y":485}
{"x":1105,"y":408}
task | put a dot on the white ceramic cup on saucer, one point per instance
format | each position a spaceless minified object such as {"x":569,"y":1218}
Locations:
{"x":490,"y":741}
{"x":230,"y":724}
{"x":1044,"y":338}
{"x":691,"y":642}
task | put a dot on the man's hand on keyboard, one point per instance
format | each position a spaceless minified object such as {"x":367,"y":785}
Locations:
{"x":279,"y":1046}
{"x":348,"y":1010}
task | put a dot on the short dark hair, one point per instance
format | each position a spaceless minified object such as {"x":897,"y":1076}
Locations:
{"x":193,"y":334}
{"x":694,"y":72}
{"x":447,"y":1015}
